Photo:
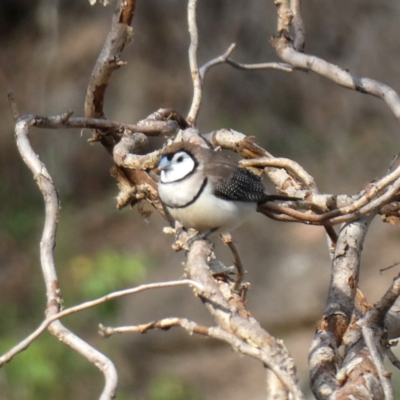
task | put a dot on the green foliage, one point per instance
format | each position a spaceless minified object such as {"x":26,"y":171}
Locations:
{"x":103,"y":273}
{"x":49,"y":369}
{"x":106,"y":271}
{"x":44,"y":370}
{"x":168,"y":387}
{"x":20,"y":223}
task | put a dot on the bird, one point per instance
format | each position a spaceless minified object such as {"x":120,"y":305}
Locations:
{"x":206,"y":190}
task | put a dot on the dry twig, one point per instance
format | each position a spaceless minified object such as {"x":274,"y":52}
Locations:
{"x":24,"y":344}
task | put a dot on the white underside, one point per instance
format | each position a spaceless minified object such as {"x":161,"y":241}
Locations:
{"x":207,"y":212}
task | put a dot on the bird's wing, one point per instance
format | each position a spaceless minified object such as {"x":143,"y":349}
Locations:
{"x":236,"y":184}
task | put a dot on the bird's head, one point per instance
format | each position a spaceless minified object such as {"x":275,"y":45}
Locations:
{"x":177,"y":162}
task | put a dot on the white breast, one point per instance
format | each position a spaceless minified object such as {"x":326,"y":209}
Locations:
{"x":209,"y":212}
{"x":182,"y":192}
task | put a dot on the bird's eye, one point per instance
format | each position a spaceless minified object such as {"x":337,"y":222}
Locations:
{"x":180,"y":159}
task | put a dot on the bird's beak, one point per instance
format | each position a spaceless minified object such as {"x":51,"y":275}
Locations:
{"x":164,"y":163}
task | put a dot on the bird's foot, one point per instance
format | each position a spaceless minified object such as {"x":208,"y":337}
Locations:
{"x":200,"y":236}
{"x":180,"y":238}
{"x":221,"y":271}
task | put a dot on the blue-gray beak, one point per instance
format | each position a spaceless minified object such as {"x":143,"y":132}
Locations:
{"x":164,"y":163}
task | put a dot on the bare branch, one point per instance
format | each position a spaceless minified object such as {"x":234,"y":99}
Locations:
{"x":339,"y":307}
{"x":388,"y":309}
{"x":24,"y":344}
{"x":109,"y":59}
{"x":152,"y":128}
{"x":384,"y":376}
{"x":298,"y":26}
{"x":227,"y":239}
{"x":13,"y":105}
{"x":285,"y":163}
{"x":194,"y":66}
{"x":343,"y":78}
{"x":230,"y":314}
{"x":47,"y":245}
{"x":127,"y":153}
{"x":215,"y":61}
{"x":366,"y":345}
{"x":255,"y":67}
{"x":285,"y":16}
{"x":164,"y":324}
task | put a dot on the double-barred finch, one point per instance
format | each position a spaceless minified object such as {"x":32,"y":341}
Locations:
{"x":205,"y":190}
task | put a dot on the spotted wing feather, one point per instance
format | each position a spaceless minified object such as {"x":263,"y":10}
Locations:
{"x":236,"y":184}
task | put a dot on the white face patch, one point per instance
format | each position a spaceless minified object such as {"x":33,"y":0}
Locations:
{"x":180,"y":166}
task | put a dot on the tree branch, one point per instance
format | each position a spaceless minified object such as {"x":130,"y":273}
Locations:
{"x":108,"y":61}
{"x":24,"y":344}
{"x":194,"y":66}
{"x":230,"y":314}
{"x":307,"y":62}
{"x":47,"y":245}
{"x":339,"y":307}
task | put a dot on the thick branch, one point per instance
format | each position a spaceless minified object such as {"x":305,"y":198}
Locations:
{"x":339,"y":307}
{"x":230,"y":314}
{"x":108,"y":61}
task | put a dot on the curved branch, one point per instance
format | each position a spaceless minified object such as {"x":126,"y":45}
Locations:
{"x":308,"y":62}
{"x":47,"y":245}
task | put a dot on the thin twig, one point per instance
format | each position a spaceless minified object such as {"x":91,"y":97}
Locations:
{"x":13,"y":104}
{"x":227,"y":239}
{"x":389,"y":267}
{"x":255,"y":67}
{"x":23,"y":344}
{"x":194,"y":66}
{"x":217,"y":60}
{"x":165,"y":323}
{"x":215,"y":332}
{"x":364,"y":205}
{"x":384,"y":377}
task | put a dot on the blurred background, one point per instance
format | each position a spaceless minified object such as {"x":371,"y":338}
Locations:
{"x":344,"y":139}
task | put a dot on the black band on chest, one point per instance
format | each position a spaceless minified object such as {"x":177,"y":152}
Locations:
{"x":198,"y":194}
